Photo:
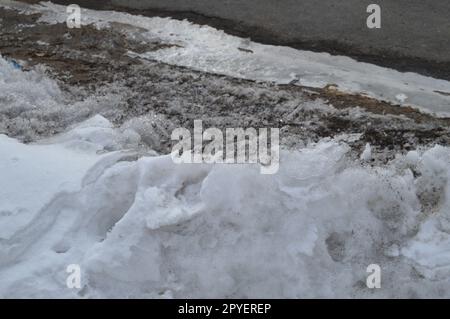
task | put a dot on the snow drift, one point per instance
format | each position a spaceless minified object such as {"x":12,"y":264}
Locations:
{"x":150,"y":228}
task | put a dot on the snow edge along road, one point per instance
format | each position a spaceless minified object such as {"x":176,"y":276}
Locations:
{"x":210,"y":50}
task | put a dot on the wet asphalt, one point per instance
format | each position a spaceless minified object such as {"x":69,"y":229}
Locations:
{"x":414,"y":34}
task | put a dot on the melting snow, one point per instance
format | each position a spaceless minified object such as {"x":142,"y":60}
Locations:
{"x":211,"y":50}
{"x":147,"y":227}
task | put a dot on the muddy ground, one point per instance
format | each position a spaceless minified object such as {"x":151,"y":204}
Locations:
{"x":89,"y":62}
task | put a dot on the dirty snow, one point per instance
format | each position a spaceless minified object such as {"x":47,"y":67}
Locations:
{"x":211,"y":50}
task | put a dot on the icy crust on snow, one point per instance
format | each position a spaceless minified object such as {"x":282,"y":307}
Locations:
{"x":150,"y":228}
{"x":32,"y":102}
{"x":211,"y":50}
{"x":41,"y":92}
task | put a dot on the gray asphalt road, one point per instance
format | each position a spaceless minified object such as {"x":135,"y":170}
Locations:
{"x":415,"y":34}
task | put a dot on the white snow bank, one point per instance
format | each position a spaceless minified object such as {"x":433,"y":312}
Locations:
{"x":31,"y":175}
{"x":34,"y":176}
{"x":152,"y":228}
{"x":207,"y":49}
